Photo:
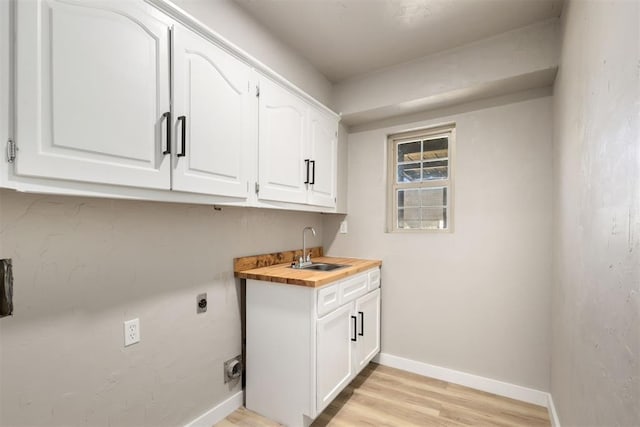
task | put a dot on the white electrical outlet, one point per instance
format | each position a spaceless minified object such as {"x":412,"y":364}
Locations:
{"x":131,"y":332}
{"x":343,"y":227}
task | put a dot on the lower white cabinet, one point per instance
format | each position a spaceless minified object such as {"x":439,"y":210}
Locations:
{"x":305,"y":345}
{"x":334,"y":361}
{"x":368,"y":333}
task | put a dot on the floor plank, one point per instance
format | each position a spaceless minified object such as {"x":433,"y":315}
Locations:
{"x":387,"y":397}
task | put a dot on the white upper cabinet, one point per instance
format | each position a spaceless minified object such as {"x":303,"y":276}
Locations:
{"x":215,"y":111}
{"x":114,"y":94}
{"x":297,"y":149}
{"x":5,"y":62}
{"x":92,"y":87}
{"x":323,"y":139}
{"x":282,"y":167}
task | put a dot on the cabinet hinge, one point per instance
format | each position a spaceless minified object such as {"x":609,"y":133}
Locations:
{"x":257,"y":91}
{"x":11,"y":150}
{"x":257,"y":188}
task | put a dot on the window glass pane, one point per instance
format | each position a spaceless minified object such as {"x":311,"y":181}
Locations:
{"x":409,"y":224}
{"x":435,"y":170}
{"x":434,"y":218}
{"x":433,"y":197}
{"x":422,"y":208}
{"x":409,"y":172}
{"x":422,"y":197}
{"x":409,"y":198}
{"x":422,"y":218}
{"x":409,"y":218}
{"x":436,"y":149}
{"x":409,"y":151}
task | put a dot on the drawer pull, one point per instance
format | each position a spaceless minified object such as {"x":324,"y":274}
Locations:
{"x":361,"y":314}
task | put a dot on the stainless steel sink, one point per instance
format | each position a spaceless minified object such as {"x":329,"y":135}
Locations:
{"x":321,"y":266}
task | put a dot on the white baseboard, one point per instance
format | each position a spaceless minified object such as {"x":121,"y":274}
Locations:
{"x":553,"y":415}
{"x":218,"y":412}
{"x":513,"y":391}
{"x":489,"y":385}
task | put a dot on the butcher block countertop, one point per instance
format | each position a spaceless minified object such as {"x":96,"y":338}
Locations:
{"x":283,"y":273}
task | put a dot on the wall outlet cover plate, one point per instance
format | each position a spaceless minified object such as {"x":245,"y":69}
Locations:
{"x":131,"y":332}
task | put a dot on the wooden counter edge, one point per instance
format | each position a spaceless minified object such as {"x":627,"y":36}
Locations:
{"x":313,"y":283}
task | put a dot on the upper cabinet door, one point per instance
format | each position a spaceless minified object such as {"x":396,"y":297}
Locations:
{"x":323,"y":134}
{"x":215,"y":114}
{"x":5,"y":62}
{"x":282,"y":168}
{"x":92,"y":89}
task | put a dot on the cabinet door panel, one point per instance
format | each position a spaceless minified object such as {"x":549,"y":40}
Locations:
{"x":324,"y":150}
{"x":334,"y":367}
{"x":368,"y":311}
{"x":5,"y":37}
{"x":281,"y":154}
{"x":92,"y":87}
{"x":211,"y":89}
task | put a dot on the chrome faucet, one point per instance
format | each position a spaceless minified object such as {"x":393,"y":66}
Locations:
{"x":305,"y":259}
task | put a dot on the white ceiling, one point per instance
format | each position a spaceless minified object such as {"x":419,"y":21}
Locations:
{"x":344,"y":38}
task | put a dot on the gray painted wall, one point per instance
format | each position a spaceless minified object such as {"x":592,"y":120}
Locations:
{"x":229,"y":20}
{"x":83,"y":266}
{"x":596,"y":302}
{"x":475,"y":300}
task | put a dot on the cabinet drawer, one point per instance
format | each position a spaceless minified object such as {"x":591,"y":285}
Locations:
{"x":328,"y":299}
{"x":374,"y":279}
{"x":354,"y":287}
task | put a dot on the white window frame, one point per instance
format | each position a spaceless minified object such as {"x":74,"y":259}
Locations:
{"x":393,"y":186}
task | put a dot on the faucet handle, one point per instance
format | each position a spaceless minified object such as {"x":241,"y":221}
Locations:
{"x":309,"y":257}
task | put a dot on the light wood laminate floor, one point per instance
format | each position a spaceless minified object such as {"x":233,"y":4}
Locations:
{"x":383,"y":396}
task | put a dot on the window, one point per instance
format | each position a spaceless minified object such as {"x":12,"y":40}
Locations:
{"x":420,"y":180}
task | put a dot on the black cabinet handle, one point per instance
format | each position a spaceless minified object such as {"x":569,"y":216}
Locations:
{"x":183,"y":127}
{"x":313,"y":173}
{"x":355,"y":326}
{"x":167,"y":117}
{"x":306,"y":161}
{"x":361,"y":333}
